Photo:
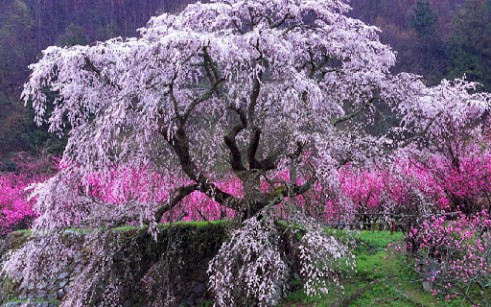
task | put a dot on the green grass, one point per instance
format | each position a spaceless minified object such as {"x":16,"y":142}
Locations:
{"x":23,"y":232}
{"x":381,"y":279}
{"x":127,"y":228}
{"x":35,"y":301}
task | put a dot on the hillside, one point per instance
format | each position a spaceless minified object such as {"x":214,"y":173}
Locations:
{"x":436,"y":39}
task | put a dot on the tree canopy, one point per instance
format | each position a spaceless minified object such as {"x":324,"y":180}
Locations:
{"x":238,"y":87}
{"x":283,"y":100}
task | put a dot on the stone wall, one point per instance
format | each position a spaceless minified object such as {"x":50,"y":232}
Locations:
{"x":135,"y":269}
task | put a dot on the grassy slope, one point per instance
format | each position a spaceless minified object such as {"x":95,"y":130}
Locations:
{"x":381,"y":279}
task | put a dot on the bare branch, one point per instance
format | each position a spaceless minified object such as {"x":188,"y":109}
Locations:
{"x":296,"y":190}
{"x":280,"y":22}
{"x":252,"y":149}
{"x":230,"y":141}
{"x":411,"y":139}
{"x":180,"y":193}
{"x":215,"y":79}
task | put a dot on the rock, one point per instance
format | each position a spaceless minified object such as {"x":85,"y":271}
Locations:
{"x":428,"y":286}
{"x":62,"y":284}
{"x":199,"y":289}
{"x":63,"y":275}
{"x":52,"y":295}
{"x":60,"y":293}
{"x":41,"y":294}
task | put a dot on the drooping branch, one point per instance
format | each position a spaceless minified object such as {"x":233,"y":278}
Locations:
{"x":90,"y":66}
{"x":342,"y":119}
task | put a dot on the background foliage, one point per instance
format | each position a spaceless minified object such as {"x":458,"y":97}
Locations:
{"x":436,"y":39}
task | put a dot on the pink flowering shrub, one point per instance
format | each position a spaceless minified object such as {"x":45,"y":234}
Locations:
{"x":455,"y":255}
{"x":16,"y":210}
{"x":417,"y":187}
{"x":364,"y":188}
{"x":411,"y":188}
{"x":123,"y":185}
{"x":466,"y":181}
{"x":378,"y":195}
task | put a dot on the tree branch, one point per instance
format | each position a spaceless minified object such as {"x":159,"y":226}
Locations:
{"x":271,"y":161}
{"x":421,"y":133}
{"x":296,"y":190}
{"x":179,"y":142}
{"x":231,"y":142}
{"x":255,"y":131}
{"x":91,"y":67}
{"x":342,"y":119}
{"x":215,"y":79}
{"x":280,"y":22}
{"x":180,"y":194}
{"x":252,"y":149}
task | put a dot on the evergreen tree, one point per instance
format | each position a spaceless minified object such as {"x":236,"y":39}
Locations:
{"x":424,"y":19}
{"x":471,"y":52}
{"x":74,"y":35}
{"x":431,"y":55}
{"x":17,"y":50}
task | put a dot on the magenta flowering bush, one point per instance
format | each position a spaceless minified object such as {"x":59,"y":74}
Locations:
{"x":15,"y":210}
{"x":123,"y":185}
{"x":466,"y":182}
{"x":408,"y":187}
{"x":365,"y":188}
{"x":454,"y":254}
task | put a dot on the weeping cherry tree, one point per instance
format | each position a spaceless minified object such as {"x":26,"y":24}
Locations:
{"x":233,"y":88}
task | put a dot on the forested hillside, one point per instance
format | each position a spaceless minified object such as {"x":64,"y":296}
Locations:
{"x":290,"y":125}
{"x":437,"y":39}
